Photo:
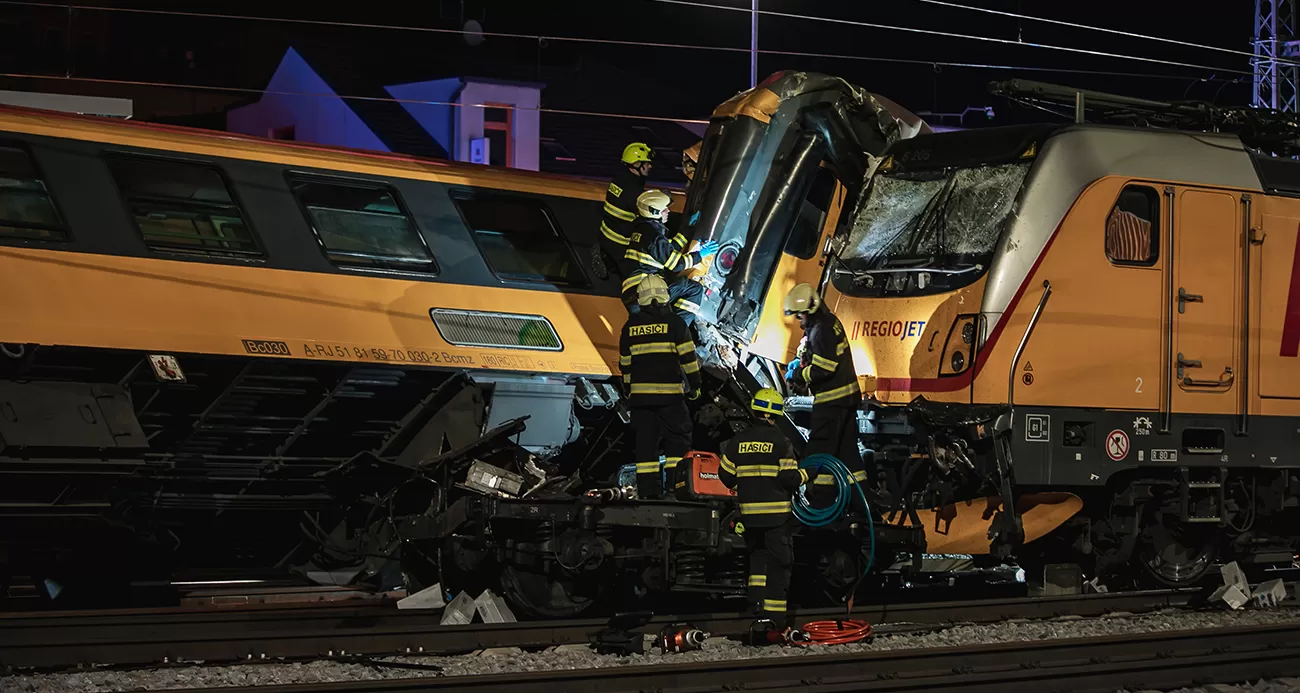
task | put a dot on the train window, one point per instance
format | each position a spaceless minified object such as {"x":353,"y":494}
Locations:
{"x":807,"y":230}
{"x":183,"y":207}
{"x":363,"y":225}
{"x":520,"y":239}
{"x":26,"y":210}
{"x":1133,"y":227}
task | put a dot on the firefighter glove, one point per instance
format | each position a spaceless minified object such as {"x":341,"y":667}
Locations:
{"x":791,"y":369}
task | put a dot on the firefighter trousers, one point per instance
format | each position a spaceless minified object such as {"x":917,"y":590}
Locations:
{"x":771,"y":557}
{"x":834,"y":431}
{"x":659,"y":430}
{"x":684,"y":296}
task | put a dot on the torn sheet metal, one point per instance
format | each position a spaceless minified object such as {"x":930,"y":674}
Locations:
{"x":756,"y":167}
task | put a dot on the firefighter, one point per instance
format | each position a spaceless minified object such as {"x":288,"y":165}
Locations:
{"x":760,"y":464}
{"x":825,"y":367}
{"x":651,"y":252}
{"x":656,"y":353}
{"x":620,"y":201}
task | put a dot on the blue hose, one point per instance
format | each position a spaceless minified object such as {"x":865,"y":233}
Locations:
{"x":820,"y":517}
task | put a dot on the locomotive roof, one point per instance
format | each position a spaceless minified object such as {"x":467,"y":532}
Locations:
{"x":1162,"y":154}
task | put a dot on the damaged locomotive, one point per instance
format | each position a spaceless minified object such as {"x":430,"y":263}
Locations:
{"x":1081,"y":323}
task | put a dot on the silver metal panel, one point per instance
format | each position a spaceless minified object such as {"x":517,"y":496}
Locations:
{"x":1076,"y":157}
{"x":549,"y":405}
{"x":69,"y":103}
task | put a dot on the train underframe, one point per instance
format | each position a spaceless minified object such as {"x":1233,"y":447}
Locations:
{"x":1165,"y":525}
{"x":124,"y":467}
{"x":120,"y":467}
{"x":382,"y":475}
{"x":563,"y":557}
{"x":481,"y":516}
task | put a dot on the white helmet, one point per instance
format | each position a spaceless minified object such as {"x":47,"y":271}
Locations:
{"x":652,"y":289}
{"x":654,"y":204}
{"x":802,"y":299}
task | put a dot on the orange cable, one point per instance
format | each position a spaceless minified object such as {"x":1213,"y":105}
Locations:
{"x":838,"y":632}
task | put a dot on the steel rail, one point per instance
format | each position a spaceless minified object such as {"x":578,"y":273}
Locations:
{"x":1160,"y":661}
{"x":56,"y":641}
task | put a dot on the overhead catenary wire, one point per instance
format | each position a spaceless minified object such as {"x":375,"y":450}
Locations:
{"x":935,"y":64}
{"x":346,"y":97}
{"x":365,"y":25}
{"x":1106,"y":30}
{"x":995,"y":66}
{"x":956,"y":35}
{"x":538,"y":109}
{"x":630,"y":43}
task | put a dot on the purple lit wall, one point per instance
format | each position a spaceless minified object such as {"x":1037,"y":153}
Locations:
{"x":296,"y":96}
{"x":438,"y":120}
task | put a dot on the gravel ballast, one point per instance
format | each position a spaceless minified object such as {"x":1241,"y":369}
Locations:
{"x":508,"y":660}
{"x":1273,"y":686}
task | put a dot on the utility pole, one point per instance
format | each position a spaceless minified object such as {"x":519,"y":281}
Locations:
{"x":1276,"y":45}
{"x":753,"y":43}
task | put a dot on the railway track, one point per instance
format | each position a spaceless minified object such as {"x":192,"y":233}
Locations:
{"x":1159,"y":661}
{"x":50,"y":641}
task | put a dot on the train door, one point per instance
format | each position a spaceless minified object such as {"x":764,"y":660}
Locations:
{"x":1204,"y":300}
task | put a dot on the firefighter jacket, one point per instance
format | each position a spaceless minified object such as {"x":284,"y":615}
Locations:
{"x":620,"y":206}
{"x":826,"y":366}
{"x":760,"y":464}
{"x":655,"y":352}
{"x":651,"y":251}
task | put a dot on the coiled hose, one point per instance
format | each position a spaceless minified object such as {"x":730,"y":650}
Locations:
{"x":840,"y":631}
{"x":845,"y":487}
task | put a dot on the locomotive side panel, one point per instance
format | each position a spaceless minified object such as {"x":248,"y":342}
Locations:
{"x":1276,"y":248}
{"x":1098,"y":342}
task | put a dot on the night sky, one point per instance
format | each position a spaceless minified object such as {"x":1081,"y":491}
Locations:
{"x":661,"y":81}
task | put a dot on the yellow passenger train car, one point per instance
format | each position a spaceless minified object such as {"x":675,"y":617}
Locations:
{"x":1104,"y":310}
{"x":213,"y":320}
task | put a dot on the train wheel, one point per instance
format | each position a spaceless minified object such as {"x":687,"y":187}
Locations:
{"x":570,"y":578}
{"x":1176,"y":554}
{"x":550,"y":595}
{"x":837,"y":568}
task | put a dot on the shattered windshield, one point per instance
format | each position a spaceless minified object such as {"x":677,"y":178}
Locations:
{"x":937,"y":220}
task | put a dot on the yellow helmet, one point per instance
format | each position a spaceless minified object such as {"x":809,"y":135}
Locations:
{"x":768,"y":401}
{"x":637,"y":152}
{"x":654,"y":204}
{"x":802,"y":299}
{"x":652,"y":289}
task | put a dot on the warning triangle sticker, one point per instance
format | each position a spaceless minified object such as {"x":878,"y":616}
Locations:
{"x":1029,"y":368}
